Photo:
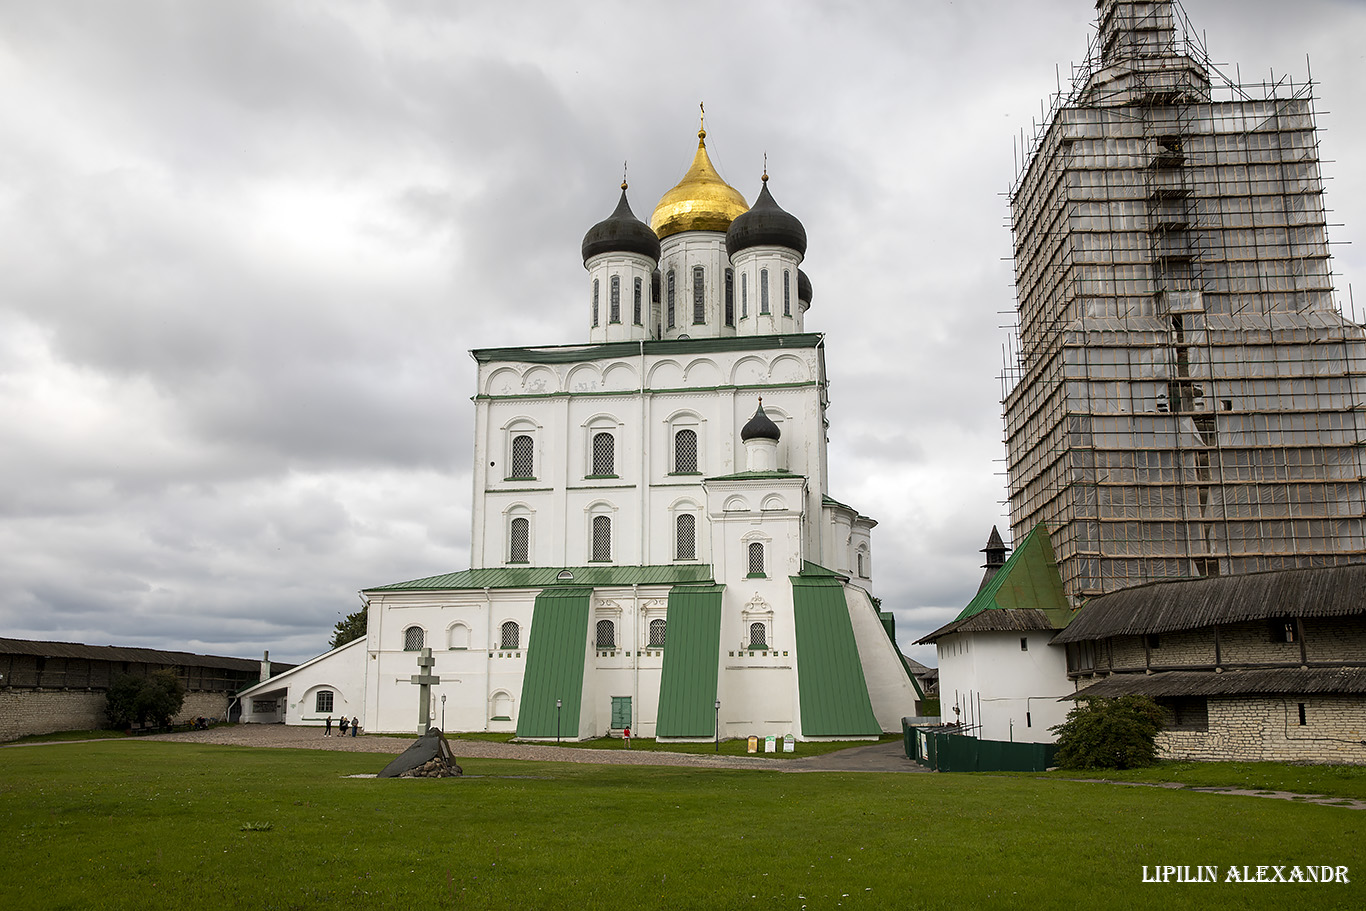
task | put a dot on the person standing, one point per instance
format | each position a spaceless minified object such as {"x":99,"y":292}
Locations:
{"x":355,"y":724}
{"x":341,"y":725}
{"x":626,"y":737}
{"x":327,"y":729}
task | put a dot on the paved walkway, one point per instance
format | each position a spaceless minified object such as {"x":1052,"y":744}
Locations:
{"x":880,"y":757}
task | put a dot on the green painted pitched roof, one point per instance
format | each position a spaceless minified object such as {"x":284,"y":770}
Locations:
{"x":692,"y":661}
{"x":555,"y":655}
{"x":1029,"y":579}
{"x":815,"y":569}
{"x":831,"y":689}
{"x":542,"y":576}
{"x":757,"y":476}
{"x":570,"y":354}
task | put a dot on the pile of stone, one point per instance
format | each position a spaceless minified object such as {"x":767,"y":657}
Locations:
{"x":429,"y":757}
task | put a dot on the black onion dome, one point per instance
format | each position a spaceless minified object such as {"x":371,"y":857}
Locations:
{"x":760,"y":427}
{"x":803,"y":287}
{"x":766,"y":224}
{"x":621,"y":232}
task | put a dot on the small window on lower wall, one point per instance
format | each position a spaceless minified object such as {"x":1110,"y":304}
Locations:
{"x":1186,"y":713}
{"x":323,"y":701}
{"x":758,"y":635}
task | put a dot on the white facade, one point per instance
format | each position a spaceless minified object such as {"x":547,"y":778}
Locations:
{"x":330,"y":685}
{"x":1005,"y":684}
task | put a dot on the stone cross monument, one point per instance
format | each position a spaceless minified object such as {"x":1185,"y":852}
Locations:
{"x":425,"y":680}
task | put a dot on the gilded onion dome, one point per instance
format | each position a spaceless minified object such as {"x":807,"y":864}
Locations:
{"x":701,"y":201}
{"x":760,"y":427}
{"x":767,"y":224}
{"x":621,"y":232}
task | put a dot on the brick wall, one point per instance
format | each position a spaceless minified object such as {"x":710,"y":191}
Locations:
{"x":1258,"y":728}
{"x":29,"y":711}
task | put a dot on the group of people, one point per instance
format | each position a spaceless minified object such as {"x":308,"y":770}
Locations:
{"x":353,"y":724}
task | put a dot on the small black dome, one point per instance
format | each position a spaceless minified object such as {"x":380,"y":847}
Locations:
{"x":803,"y":287}
{"x":760,"y":427}
{"x":621,"y":232}
{"x":765,"y":225}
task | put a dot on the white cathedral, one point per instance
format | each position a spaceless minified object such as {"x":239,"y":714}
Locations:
{"x":654,"y":544}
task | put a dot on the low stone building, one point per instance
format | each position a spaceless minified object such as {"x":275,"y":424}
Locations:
{"x":1264,"y":666}
{"x":61,"y":686}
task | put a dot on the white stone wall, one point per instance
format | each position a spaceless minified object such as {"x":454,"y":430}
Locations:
{"x":1010,"y":692}
{"x":342,"y":671}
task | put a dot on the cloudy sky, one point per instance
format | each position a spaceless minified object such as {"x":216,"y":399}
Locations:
{"x":248,"y":244}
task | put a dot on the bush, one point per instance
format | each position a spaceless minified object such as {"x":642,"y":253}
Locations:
{"x":137,"y":700}
{"x":1109,"y":734}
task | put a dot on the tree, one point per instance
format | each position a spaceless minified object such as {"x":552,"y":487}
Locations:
{"x":1109,"y":734}
{"x":350,"y":629}
{"x":157,"y":697}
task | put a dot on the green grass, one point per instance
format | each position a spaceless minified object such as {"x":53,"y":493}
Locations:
{"x":143,"y":825}
{"x":62,"y":736}
{"x":728,"y":747}
{"x":1329,"y":780}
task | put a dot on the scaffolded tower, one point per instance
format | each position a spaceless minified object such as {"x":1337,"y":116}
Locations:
{"x":1184,"y":399}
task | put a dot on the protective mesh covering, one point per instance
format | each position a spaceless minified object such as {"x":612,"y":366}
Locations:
{"x":1184,"y":396}
{"x":685,"y":537}
{"x":685,"y":452}
{"x":604,"y":454}
{"x":756,"y":559}
{"x":510,"y":635}
{"x":414,"y":637}
{"x":657,"y":633}
{"x":606,"y":634}
{"x":758,"y":636}
{"x":602,"y":539}
{"x":523,"y":457}
{"x":519,"y":543}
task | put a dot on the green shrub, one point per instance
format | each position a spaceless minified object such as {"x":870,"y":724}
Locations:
{"x":1109,"y":734}
{"x":137,"y":700}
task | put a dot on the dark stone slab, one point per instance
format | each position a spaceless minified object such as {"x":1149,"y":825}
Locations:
{"x":430,"y":746}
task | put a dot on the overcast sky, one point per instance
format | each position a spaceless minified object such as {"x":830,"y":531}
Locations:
{"x":247,"y":246}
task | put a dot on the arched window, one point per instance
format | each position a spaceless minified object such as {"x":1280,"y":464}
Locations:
{"x":669,"y":298}
{"x":510,"y":635}
{"x":758,"y":635}
{"x":595,"y":303}
{"x":519,"y":541}
{"x":730,"y":297}
{"x":861,"y":563}
{"x":607,"y":634}
{"x":323,"y":701}
{"x":763,"y":291}
{"x":744,"y":295}
{"x":685,"y":536}
{"x":502,"y":706}
{"x":699,"y":301}
{"x":657,"y":633}
{"x":602,"y":540}
{"x":787,"y":292}
{"x":614,"y":300}
{"x":637,"y":310}
{"x":414,"y":637}
{"x":523,"y":457}
{"x":756,"y":559}
{"x":685,"y":452}
{"x":604,"y":455}
{"x":458,"y":636}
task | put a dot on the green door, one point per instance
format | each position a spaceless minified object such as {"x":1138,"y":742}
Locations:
{"x":621,"y":713}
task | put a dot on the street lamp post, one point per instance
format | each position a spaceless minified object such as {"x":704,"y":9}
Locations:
{"x":557,"y":720}
{"x":443,"y":713}
{"x":718,"y":725}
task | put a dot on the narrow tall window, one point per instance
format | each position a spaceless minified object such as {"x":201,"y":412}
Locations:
{"x":510,"y":635}
{"x":787,"y":292}
{"x":730,"y":297}
{"x":595,"y":303}
{"x":607,"y":634}
{"x":657,"y":628}
{"x":685,"y":452}
{"x":614,"y":300}
{"x":324,"y":701}
{"x":519,"y":543}
{"x":637,"y":309}
{"x":699,"y":296}
{"x":414,"y":637}
{"x":858,"y":559}
{"x":669,"y":298}
{"x":523,"y":457}
{"x":602,"y":539}
{"x":763,"y":291}
{"x":604,"y":455}
{"x":685,"y":537}
{"x":758,"y":635}
{"x":744,"y":295}
{"x":756,"y":559}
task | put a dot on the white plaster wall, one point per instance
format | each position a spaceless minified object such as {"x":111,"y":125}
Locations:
{"x":776,"y":260}
{"x":341,"y":670}
{"x":628,"y":267}
{"x":1011,"y":693}
{"x":681,"y":252}
{"x":889,"y":687}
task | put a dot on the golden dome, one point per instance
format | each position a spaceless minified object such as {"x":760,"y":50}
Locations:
{"x":701,"y":201}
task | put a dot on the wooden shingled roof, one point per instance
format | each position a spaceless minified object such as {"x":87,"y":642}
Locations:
{"x":1259,"y":681}
{"x":1160,"y":607}
{"x":45,"y":649}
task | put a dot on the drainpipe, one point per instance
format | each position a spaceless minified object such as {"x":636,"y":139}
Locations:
{"x":635,"y":658}
{"x":488,"y":669}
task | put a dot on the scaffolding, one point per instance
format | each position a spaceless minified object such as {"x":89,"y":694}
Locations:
{"x":1182,"y":396}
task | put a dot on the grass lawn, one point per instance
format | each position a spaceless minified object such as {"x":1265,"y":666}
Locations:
{"x":1332,"y":780}
{"x":727,"y":747}
{"x":102,"y":734}
{"x":142,"y":825}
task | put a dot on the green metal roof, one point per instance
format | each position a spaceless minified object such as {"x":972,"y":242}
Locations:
{"x":830,"y":684}
{"x":815,"y":569}
{"x":1029,"y":579}
{"x":555,"y":657}
{"x":889,"y":626}
{"x":756,"y":475}
{"x":569,"y":354}
{"x":542,"y":576}
{"x":692,"y":661}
